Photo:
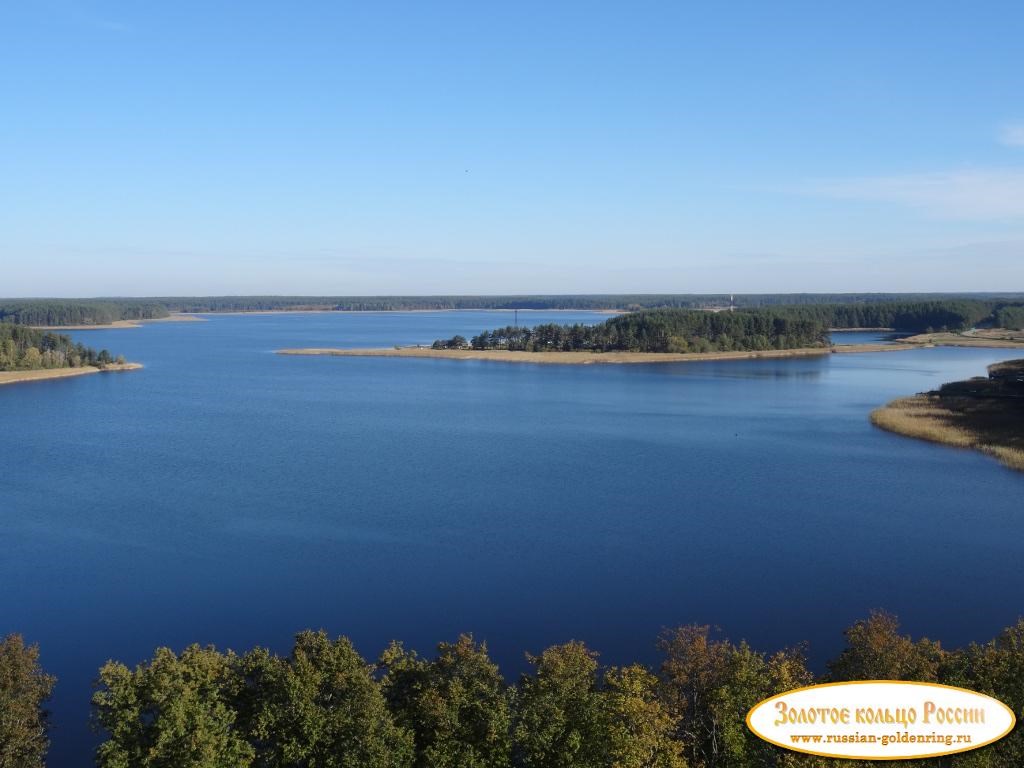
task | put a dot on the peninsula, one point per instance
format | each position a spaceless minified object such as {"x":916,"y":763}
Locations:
{"x":586,"y":357}
{"x":985,"y":414}
{"x":28,"y":354}
{"x":688,"y":335}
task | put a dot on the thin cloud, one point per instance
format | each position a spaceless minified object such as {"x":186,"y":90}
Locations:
{"x":976,"y":195}
{"x":1012,"y":134}
{"x":111,"y":26}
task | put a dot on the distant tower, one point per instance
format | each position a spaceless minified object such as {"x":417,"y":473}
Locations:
{"x":732,"y":303}
{"x":517,"y":318}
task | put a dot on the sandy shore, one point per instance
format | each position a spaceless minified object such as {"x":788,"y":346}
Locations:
{"x":15,"y":377}
{"x":585,"y":358}
{"x":175,"y":318}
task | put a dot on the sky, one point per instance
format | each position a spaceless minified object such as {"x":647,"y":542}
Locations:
{"x":202,"y":148}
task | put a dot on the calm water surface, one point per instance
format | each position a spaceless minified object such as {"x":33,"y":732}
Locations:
{"x":228,"y":495}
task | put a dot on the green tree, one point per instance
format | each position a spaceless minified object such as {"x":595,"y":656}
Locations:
{"x":320,"y":708}
{"x":31,"y":359}
{"x":639,"y":729}
{"x":24,"y":689}
{"x":559,"y":712}
{"x":173,"y":712}
{"x":457,"y":705}
{"x":995,"y":668}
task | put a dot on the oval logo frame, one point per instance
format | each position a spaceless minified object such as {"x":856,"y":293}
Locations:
{"x":881,"y":720}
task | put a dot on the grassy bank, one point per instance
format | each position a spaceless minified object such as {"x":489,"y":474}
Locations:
{"x":985,"y":415}
{"x":995,"y":338}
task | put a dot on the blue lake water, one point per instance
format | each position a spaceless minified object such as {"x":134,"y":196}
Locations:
{"x":232,"y":496}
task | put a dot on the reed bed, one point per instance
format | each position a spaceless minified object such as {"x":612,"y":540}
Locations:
{"x":991,"y":425}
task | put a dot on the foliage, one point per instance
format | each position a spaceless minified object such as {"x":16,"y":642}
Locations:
{"x":24,"y":688}
{"x":77,"y":312}
{"x":638,"y":726}
{"x":876,"y":650}
{"x":319,"y":707}
{"x":559,"y":712}
{"x":663,"y":330}
{"x":174,"y":711}
{"x":628,"y":302}
{"x":1011,"y":317}
{"x":710,"y":684}
{"x":23,"y":348}
{"x":745,"y":329}
{"x":457,"y":705}
{"x":324,"y":706}
{"x":455,"y":342}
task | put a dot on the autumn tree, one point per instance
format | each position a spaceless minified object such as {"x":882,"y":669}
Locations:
{"x":638,"y":728}
{"x":710,"y":684}
{"x":875,"y":650}
{"x":24,"y":689}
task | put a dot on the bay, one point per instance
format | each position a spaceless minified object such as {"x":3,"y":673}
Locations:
{"x":228,"y":495}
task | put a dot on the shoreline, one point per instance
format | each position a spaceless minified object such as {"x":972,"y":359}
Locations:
{"x":1011,"y":340}
{"x":979,"y":414}
{"x":46,"y":374}
{"x":177,"y":317}
{"x":394,"y":311}
{"x":586,"y":357}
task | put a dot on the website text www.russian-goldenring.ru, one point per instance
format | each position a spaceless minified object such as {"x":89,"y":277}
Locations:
{"x":884,"y":740}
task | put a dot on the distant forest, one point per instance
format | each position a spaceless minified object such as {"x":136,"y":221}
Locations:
{"x":1011,"y":317}
{"x":751,"y":329}
{"x":324,"y":705}
{"x":44,"y":312}
{"x":77,"y":312}
{"x":569,"y":302}
{"x":27,"y":349}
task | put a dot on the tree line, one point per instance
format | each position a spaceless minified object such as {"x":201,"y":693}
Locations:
{"x":77,"y":312}
{"x":44,"y":312}
{"x":911,"y":316}
{"x":627,"y":302}
{"x":27,"y":349}
{"x":1010,"y":317}
{"x":324,"y":705}
{"x":759,"y":328}
{"x":664,"y":330}
{"x":580,"y":302}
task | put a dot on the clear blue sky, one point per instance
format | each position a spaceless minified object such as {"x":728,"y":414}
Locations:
{"x":427,"y":147}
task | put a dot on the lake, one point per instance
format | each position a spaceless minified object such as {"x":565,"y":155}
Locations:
{"x":228,"y":495}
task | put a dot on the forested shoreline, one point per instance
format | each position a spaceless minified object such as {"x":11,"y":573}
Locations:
{"x":753,"y":329}
{"x":43,"y":312}
{"x":580,"y":302}
{"x":28,"y":349}
{"x":103,"y":311}
{"x":325,"y":705}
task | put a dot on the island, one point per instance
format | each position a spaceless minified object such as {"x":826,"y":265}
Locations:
{"x":686,"y":335}
{"x":28,"y":354}
{"x":985,"y":414}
